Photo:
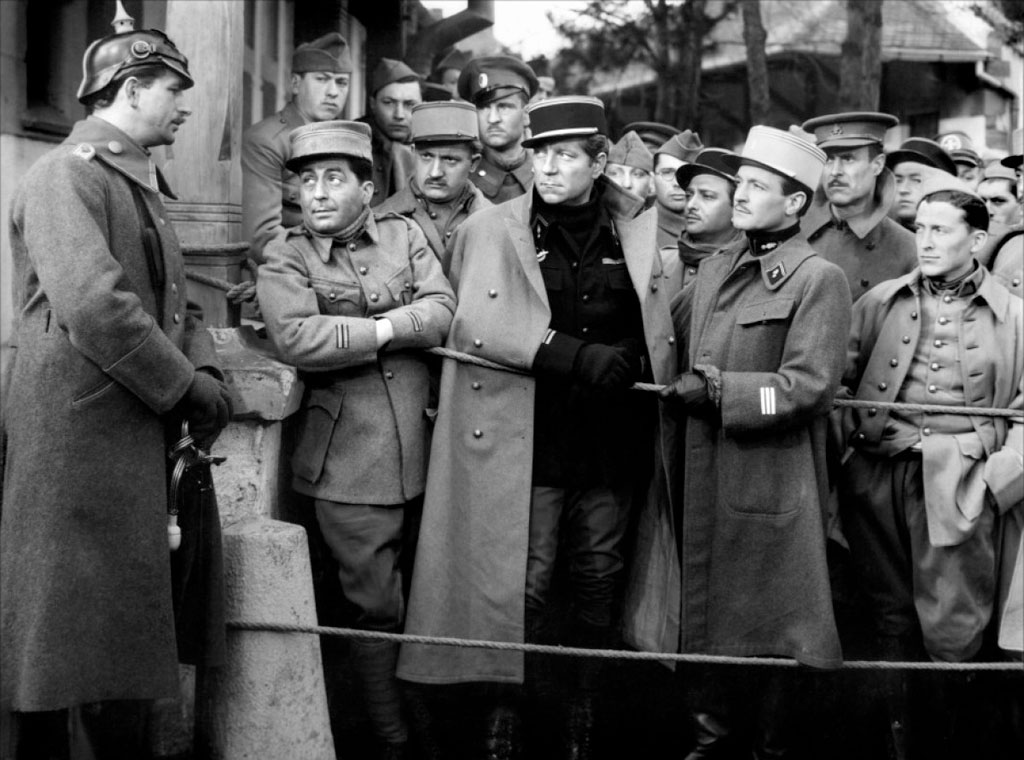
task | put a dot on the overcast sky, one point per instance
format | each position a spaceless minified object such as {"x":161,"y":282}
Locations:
{"x":521,"y":24}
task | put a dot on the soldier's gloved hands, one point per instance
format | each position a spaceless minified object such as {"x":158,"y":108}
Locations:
{"x":604,"y":367}
{"x":689,"y":391}
{"x":635,"y":357}
{"x":207,"y":407}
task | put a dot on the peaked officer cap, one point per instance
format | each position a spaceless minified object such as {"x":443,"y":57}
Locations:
{"x":495,"y":76}
{"x":389,"y":71}
{"x":852,"y":129}
{"x":321,"y":139}
{"x":921,"y":151}
{"x":685,"y":146}
{"x":631,"y":151}
{"x":789,"y":153}
{"x":565,"y":116}
{"x":708,"y":161}
{"x":653,"y":133}
{"x":444,"y":121}
{"x":328,"y":53}
{"x":960,"y":147}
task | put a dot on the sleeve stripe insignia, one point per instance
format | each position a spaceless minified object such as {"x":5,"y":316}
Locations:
{"x":343,"y":335}
{"x":417,"y":323}
{"x":768,"y":400}
{"x":548,"y":337}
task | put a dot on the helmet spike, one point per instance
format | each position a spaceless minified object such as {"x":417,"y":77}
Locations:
{"x":122,"y":21}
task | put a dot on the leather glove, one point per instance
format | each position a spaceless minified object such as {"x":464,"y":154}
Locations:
{"x":605,"y":367}
{"x":635,"y":356}
{"x":206,"y":406}
{"x":690,"y":391}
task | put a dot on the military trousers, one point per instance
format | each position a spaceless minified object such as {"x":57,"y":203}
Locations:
{"x":587,"y":527}
{"x":366,"y":541}
{"x":948,"y":591}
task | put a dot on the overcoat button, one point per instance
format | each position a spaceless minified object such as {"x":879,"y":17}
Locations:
{"x":331,"y":296}
{"x":432,"y":214}
{"x":478,"y":433}
{"x":1016,"y":281}
{"x":363,"y":270}
{"x":389,"y":374}
{"x":476,"y":385}
{"x":174,"y":289}
{"x":927,"y":431}
{"x":351,"y":246}
{"x":935,"y":365}
{"x":913,"y":315}
{"x":585,"y":330}
{"x":861,"y":436}
{"x":883,"y":386}
{"x":872,"y":412}
{"x":671,"y":339}
{"x":943,"y":321}
{"x":932,"y":388}
{"x":492,"y":293}
{"x":894,"y":362}
{"x":938,"y":344}
{"x":585,"y":298}
{"x":947,"y":299}
{"x":905,"y":339}
{"x":478,"y":343}
{"x":374,"y":297}
{"x":176,"y":318}
{"x":654,"y":287}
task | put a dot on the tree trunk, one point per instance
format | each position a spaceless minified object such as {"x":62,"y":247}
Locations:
{"x":754,"y":37}
{"x":860,"y":61}
{"x":691,"y":38}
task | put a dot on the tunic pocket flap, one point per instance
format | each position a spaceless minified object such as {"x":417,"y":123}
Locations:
{"x":765,"y":311}
{"x":322,"y":411}
{"x":970,"y":445}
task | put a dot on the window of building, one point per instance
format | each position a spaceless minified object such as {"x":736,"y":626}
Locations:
{"x":268,"y":49}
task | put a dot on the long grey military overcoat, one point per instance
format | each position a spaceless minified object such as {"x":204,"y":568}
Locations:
{"x":101,"y":356}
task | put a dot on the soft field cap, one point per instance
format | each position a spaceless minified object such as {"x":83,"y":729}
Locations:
{"x":327,"y":53}
{"x":566,"y":116}
{"x":782,"y":152}
{"x":631,"y":151}
{"x":328,"y":138}
{"x":444,"y":121}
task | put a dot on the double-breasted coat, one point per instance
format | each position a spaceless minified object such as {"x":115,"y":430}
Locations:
{"x":270,"y":191}
{"x":753,"y":579}
{"x":470,"y":572}
{"x":363,"y":435}
{"x":103,"y":352}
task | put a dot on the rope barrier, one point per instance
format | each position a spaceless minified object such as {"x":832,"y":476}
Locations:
{"x":246,"y":291}
{"x":610,"y":654}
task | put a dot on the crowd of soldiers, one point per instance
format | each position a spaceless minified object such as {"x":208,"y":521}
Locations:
{"x":480,"y":213}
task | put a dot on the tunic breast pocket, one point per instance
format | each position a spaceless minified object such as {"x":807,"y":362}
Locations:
{"x":338,"y":297}
{"x":617,"y":276}
{"x":321,"y":416}
{"x":760,"y":336}
{"x":554,"y":277}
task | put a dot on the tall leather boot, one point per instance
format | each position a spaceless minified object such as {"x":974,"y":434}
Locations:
{"x":774,"y":736}
{"x":374,"y":665}
{"x":503,"y":730}
{"x":711,"y":737}
{"x":895,"y":695}
{"x":581,"y":711}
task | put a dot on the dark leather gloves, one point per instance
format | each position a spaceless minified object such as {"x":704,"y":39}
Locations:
{"x":206,"y":406}
{"x":691,"y":392}
{"x":605,"y":367}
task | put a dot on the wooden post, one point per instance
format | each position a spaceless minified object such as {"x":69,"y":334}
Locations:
{"x":204,"y":164}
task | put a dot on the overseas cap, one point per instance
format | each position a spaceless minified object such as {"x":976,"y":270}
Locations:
{"x":327,"y":53}
{"x":785,"y":153}
{"x":389,"y":71}
{"x":850,"y":130}
{"x":495,"y":76}
{"x":321,"y":139}
{"x":565,"y":116}
{"x":708,"y":161}
{"x":685,"y":146}
{"x":653,"y":133}
{"x":631,"y":151}
{"x":444,"y":121}
{"x":922,"y":151}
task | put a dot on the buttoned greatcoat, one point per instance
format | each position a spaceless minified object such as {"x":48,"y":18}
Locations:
{"x":470,"y":573}
{"x":957,"y":468}
{"x":363,"y":434}
{"x":101,"y":356}
{"x":869,"y":249}
{"x":270,"y":191}
{"x":414,"y":206}
{"x":753,"y":578}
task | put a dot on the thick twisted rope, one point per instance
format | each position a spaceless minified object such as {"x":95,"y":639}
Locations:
{"x":609,"y":654}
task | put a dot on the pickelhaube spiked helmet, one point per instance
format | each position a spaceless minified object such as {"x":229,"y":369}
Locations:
{"x":126,"y":49}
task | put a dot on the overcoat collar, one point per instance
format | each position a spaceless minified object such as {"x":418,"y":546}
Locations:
{"x":97,"y":137}
{"x":996,"y":296}
{"x":820,"y":212}
{"x":779,"y":265}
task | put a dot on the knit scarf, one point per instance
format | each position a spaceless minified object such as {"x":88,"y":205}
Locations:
{"x":352,"y":231}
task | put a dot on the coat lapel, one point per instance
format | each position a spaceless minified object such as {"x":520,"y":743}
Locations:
{"x":522,"y":242}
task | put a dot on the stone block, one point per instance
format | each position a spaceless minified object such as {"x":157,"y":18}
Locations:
{"x":269,"y":700}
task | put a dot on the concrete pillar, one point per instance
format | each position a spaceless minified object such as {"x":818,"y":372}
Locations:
{"x":269,"y":700}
